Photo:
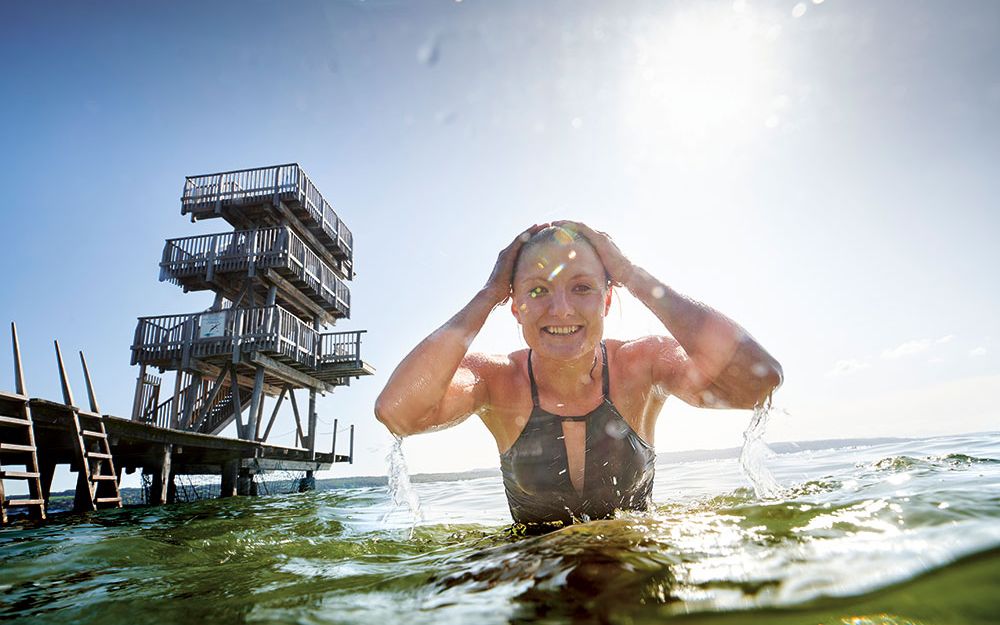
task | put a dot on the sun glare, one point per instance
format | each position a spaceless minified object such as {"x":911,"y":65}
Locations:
{"x":702,"y":79}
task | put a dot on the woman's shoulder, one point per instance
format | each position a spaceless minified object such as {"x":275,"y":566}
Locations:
{"x":495,"y":364}
{"x":640,"y":354}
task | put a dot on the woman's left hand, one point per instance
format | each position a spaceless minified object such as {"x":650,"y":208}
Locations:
{"x":619,"y":267}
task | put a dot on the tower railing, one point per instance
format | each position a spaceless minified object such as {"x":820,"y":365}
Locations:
{"x":277,"y":247}
{"x":218,"y":334}
{"x":274,"y":183}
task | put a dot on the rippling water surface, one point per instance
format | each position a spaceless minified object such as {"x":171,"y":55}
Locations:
{"x":892,"y":533}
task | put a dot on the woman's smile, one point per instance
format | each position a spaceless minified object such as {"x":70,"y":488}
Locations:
{"x":562,"y":330}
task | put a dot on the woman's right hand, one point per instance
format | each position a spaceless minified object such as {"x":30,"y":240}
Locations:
{"x":499,"y":283}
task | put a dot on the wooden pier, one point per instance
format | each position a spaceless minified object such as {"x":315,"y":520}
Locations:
{"x":279,"y":277}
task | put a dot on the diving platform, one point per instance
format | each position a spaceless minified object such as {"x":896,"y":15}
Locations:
{"x":308,"y":286}
{"x":232,"y":335}
{"x":268,"y":196}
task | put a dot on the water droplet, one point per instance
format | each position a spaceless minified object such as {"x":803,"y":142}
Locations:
{"x":428,"y":53}
{"x":944,"y":505}
{"x":446,"y":117}
{"x":572,"y":254}
{"x":563,"y":471}
{"x":555,"y":272}
{"x":799,"y":9}
{"x":657,"y":291}
{"x":525,"y":237}
{"x":817,"y":1}
{"x":614,"y":430}
{"x":577,"y":122}
{"x":759,"y":369}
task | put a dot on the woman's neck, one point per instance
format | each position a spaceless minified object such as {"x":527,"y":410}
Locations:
{"x":566,"y":378}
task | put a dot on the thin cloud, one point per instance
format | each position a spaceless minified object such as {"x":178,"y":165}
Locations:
{"x":979,"y":351}
{"x":908,"y":348}
{"x":847,"y":367}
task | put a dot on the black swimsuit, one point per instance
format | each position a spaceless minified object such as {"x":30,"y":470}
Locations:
{"x":618,"y":465}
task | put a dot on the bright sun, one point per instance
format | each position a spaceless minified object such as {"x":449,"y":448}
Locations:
{"x":702,"y":78}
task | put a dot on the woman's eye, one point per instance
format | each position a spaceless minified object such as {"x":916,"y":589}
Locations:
{"x":583,"y":288}
{"x":537,"y":291}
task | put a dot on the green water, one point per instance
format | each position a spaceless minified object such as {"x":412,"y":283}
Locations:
{"x":903,"y":533}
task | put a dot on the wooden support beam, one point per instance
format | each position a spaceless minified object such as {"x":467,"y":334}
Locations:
{"x":244,"y":482}
{"x":274,"y":414}
{"x":237,"y":404}
{"x":176,"y":404}
{"x":210,"y":371}
{"x":161,"y":476}
{"x":171,"y":488}
{"x":253,"y":422}
{"x":298,"y":421}
{"x":90,"y":386}
{"x":311,"y":446}
{"x":292,"y":376}
{"x":18,"y":370}
{"x":351,"y":448}
{"x":230,"y":474}
{"x":312,"y":408}
{"x":63,"y":379}
{"x":191,"y":397}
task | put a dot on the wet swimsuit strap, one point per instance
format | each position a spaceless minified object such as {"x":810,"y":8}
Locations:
{"x":605,"y":383}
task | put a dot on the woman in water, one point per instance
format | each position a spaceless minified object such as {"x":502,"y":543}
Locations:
{"x":573,"y":415}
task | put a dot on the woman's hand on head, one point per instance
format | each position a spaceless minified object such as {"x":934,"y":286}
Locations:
{"x":499,"y":283}
{"x":619,"y":267}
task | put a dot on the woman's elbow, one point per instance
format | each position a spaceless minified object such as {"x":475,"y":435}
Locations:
{"x":770,"y":377}
{"x":387,"y":413}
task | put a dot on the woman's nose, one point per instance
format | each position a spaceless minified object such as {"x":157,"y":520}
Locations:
{"x":559,"y":304}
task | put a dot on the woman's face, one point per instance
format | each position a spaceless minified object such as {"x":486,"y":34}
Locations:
{"x":561,"y":298}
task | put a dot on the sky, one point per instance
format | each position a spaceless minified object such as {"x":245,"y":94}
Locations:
{"x":824,"y":173}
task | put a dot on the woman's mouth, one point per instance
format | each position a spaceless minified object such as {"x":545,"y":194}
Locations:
{"x":562,"y":330}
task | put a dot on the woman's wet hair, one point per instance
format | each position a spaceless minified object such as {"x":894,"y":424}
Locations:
{"x":552,"y":234}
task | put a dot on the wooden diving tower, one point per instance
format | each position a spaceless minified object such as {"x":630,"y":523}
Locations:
{"x":280,"y":280}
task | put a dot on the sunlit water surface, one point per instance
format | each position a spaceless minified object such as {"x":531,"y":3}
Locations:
{"x":892,"y":533}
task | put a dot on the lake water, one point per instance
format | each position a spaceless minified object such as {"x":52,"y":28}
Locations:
{"x":904,"y":532}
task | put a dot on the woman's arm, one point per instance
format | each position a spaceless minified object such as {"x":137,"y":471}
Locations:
{"x":439,"y":384}
{"x":720,"y":364}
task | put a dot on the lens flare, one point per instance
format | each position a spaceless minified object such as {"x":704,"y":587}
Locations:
{"x":555,"y":271}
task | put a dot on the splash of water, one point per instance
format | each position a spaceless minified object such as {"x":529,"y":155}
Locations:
{"x":754,"y":453}
{"x":400,"y":489}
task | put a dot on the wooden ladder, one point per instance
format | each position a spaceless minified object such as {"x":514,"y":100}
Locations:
{"x":96,"y":464}
{"x":17,"y":444}
{"x":97,"y":481}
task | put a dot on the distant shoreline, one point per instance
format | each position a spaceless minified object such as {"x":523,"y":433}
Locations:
{"x":669,"y":457}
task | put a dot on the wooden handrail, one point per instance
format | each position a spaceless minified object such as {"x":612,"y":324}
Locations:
{"x":270,"y":246}
{"x":264,"y":182}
